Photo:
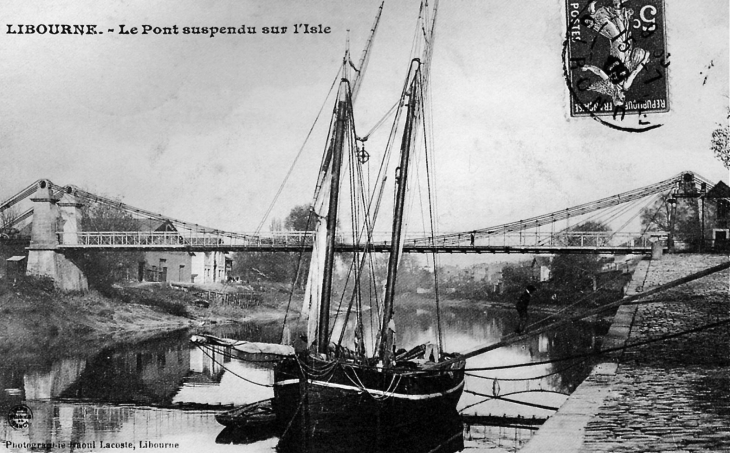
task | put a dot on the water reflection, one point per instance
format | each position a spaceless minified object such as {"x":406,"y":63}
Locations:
{"x":143,"y":373}
{"x":442,"y":432}
{"x":465,"y":328}
{"x":165,"y":390}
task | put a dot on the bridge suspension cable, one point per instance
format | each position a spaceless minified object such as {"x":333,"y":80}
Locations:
{"x":145,"y":213}
{"x":582,"y":209}
{"x":18,"y":197}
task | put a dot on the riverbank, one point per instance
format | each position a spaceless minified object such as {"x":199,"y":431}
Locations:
{"x":37,"y":317}
{"x":672,"y":393}
{"x":38,"y":320}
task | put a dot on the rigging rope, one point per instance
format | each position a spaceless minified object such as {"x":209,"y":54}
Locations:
{"x":580,"y":300}
{"x":514,"y":338}
{"x":609,"y":350}
{"x":534,"y":378}
{"x":299,"y":153}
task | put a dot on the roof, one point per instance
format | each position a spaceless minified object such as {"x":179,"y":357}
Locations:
{"x":165,"y":225}
{"x":15,"y":258}
{"x":719,"y":190}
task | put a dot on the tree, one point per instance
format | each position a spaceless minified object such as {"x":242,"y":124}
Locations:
{"x":300,"y":218}
{"x":9,"y":245}
{"x":8,"y":216}
{"x":515,"y":278}
{"x":687,"y":221}
{"x":278,"y":266}
{"x":720,"y":143}
{"x":103,"y":269}
{"x":571,"y":274}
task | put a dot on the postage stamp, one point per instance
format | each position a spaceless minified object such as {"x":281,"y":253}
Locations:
{"x":615,"y":57}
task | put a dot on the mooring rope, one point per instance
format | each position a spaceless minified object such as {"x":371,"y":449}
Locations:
{"x":233,"y":372}
{"x":509,"y":400}
{"x":608,"y":350}
{"x":511,"y":339}
{"x":534,"y":378}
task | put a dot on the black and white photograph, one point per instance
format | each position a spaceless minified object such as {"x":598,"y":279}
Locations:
{"x":410,"y":226}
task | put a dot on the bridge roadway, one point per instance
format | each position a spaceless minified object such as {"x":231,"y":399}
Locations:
{"x":525,"y":243}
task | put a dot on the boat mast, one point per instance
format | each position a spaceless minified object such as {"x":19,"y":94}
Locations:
{"x":401,"y":181}
{"x":360,"y":70}
{"x":339,"y":127}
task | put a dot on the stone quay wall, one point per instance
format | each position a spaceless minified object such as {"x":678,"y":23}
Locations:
{"x":668,"y":395}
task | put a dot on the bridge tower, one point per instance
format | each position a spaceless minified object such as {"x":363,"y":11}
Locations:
{"x":51,"y":216}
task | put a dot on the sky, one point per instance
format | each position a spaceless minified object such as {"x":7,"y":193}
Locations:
{"x":204,"y":129}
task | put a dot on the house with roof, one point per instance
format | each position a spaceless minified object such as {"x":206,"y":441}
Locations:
{"x":187,"y":267}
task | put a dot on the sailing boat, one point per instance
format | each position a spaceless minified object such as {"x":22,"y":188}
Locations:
{"x":327,"y":391}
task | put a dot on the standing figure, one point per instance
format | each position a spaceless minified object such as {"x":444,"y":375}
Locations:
{"x":522,"y":303}
{"x":625,"y":60}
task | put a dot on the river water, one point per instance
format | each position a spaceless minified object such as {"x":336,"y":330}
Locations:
{"x":166,"y":391}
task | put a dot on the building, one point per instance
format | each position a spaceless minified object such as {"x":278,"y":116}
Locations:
{"x":188,"y":267}
{"x":720,"y":194}
{"x":197,"y":267}
{"x":541,"y":268}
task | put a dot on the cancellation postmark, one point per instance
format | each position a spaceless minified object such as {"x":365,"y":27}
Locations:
{"x":19,"y":416}
{"x":616,"y":61}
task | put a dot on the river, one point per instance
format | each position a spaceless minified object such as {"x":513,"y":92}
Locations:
{"x":167,"y":391}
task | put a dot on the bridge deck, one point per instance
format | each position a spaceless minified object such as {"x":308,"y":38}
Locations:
{"x":372,"y":247}
{"x":529,"y":243}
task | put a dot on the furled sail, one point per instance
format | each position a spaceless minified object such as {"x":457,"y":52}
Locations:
{"x":313,"y":291}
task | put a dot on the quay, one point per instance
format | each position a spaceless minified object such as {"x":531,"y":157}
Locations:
{"x":672,"y":394}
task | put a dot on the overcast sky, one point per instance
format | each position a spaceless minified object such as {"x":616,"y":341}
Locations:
{"x":205,"y":128}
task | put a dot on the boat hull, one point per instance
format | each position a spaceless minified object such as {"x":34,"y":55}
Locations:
{"x":337,"y":406}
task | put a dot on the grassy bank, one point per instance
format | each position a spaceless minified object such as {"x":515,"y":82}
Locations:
{"x":37,"y":318}
{"x":39,"y":321}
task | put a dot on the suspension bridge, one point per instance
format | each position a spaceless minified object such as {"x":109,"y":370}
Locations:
{"x":47,"y":219}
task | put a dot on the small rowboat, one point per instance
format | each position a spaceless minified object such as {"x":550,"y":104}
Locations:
{"x":258,"y":414}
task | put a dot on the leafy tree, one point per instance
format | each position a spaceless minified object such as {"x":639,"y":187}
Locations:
{"x":300,"y":219}
{"x":515,"y":278}
{"x":571,"y":274}
{"x":720,"y":143}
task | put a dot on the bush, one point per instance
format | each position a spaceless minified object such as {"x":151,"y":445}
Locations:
{"x":38,"y":283}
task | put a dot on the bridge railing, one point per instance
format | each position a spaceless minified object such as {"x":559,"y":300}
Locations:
{"x":294,"y":239}
{"x":181,"y":239}
{"x":541,"y":239}
{"x":178,"y":239}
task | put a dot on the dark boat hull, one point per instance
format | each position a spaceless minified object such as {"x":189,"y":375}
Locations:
{"x":335,"y":406}
{"x":251,"y":416}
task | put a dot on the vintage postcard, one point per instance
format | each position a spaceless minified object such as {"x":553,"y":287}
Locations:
{"x":364,"y":226}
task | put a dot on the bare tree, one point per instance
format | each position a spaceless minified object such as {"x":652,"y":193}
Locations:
{"x":8,"y":216}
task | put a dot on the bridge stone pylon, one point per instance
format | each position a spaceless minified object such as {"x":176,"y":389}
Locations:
{"x":50,"y":216}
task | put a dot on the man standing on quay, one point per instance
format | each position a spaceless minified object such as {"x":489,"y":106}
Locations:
{"x":522,"y":303}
